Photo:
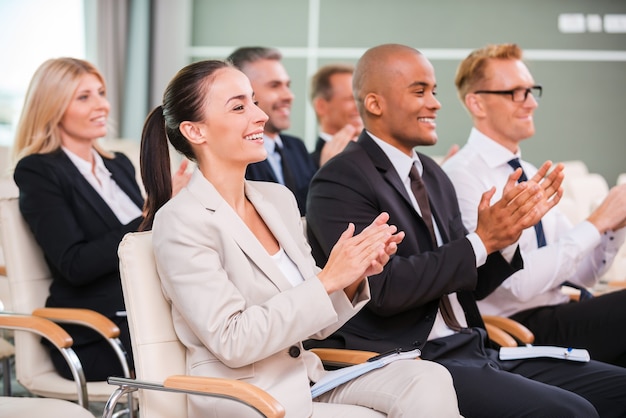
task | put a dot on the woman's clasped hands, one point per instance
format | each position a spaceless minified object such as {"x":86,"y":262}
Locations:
{"x":354,"y":257}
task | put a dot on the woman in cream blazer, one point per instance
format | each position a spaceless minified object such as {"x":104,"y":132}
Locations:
{"x":204,"y":249}
{"x":234,"y":262}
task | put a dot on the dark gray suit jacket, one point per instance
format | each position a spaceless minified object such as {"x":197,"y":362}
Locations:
{"x":355,"y":187}
{"x":317,"y":152}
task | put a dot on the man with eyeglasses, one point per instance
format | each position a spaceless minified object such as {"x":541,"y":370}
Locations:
{"x":501,"y":96}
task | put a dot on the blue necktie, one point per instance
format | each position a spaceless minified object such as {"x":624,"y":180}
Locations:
{"x":541,"y":238}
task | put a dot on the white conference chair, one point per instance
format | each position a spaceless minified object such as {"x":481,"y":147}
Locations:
{"x":29,"y":280}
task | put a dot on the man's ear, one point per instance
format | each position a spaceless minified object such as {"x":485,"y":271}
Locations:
{"x":475,"y":105}
{"x":319,"y":105}
{"x":373,"y":104}
{"x":192,"y":131}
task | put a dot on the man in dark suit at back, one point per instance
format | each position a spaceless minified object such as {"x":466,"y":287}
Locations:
{"x":426,"y":295}
{"x":337,"y":116}
{"x":288,"y":161}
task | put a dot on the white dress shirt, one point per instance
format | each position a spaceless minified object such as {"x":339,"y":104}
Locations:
{"x":578,"y":254}
{"x":325,"y":136}
{"x":122,"y":206}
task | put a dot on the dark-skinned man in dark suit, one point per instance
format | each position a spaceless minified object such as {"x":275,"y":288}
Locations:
{"x":438,"y":261}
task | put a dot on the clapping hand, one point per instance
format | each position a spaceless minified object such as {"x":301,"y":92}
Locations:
{"x":354,"y":257}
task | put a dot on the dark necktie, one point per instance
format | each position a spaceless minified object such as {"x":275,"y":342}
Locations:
{"x":421,"y":196}
{"x":541,"y":238}
{"x":288,"y":178}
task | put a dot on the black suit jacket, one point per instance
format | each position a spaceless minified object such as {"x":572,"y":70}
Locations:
{"x":355,"y":187}
{"x":299,"y":161}
{"x":317,"y":152}
{"x":77,"y":231}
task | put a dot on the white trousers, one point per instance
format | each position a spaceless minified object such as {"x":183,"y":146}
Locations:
{"x":402,"y":389}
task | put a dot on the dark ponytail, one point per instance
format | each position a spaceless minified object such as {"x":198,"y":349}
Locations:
{"x":184,"y":100}
{"x":154,"y":162}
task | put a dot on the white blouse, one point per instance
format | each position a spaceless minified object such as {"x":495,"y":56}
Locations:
{"x":122,"y":206}
{"x":288,"y":267}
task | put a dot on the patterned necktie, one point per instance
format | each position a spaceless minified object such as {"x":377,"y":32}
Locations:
{"x":421,"y":196}
{"x":541,"y":238}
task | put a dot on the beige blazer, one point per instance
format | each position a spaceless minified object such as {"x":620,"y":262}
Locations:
{"x":233,"y":308}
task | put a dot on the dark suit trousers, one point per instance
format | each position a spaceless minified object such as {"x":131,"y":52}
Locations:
{"x":595,"y":324}
{"x":489,"y":387}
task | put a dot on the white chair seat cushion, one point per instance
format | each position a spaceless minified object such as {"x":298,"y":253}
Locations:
{"x":49,"y":385}
{"x":13,"y":407}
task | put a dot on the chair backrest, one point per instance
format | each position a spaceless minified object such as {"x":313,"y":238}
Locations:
{"x":8,"y":188}
{"x":29,"y":282}
{"x":586,"y":192}
{"x":575,"y":168}
{"x":157,"y":351}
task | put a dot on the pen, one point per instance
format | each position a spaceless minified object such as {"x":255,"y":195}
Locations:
{"x":567,"y":353}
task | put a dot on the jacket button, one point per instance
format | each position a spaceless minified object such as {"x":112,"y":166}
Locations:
{"x":294,"y":351}
{"x":416,"y":343}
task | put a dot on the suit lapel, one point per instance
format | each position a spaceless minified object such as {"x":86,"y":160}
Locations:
{"x":124,"y":179}
{"x":384,"y":166}
{"x":261,"y":171}
{"x":91,"y":196}
{"x":210,"y":198}
{"x":437,"y":201}
{"x":274,"y":221}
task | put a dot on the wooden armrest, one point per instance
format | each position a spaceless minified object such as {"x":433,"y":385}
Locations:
{"x":618,"y":284}
{"x":47,"y":329}
{"x":247,"y":393}
{"x":95,"y":321}
{"x":498,"y":336}
{"x":84,"y":317}
{"x":339,"y":357}
{"x":57,"y":336}
{"x":514,"y":328}
{"x":3,"y":270}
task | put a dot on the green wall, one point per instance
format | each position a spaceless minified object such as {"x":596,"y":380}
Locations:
{"x":582,"y":114}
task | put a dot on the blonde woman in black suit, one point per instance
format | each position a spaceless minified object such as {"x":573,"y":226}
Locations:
{"x":78,"y":199}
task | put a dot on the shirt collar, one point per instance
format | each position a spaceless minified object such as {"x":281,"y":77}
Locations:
{"x":325,"y":136}
{"x":270,"y":143}
{"x":491,"y":152}
{"x":400,"y":161}
{"x":85,"y":166}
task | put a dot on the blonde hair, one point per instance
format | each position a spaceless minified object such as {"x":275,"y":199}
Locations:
{"x":49,"y":94}
{"x":471,"y":71}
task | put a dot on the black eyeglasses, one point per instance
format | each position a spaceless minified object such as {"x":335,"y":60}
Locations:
{"x":517,"y":95}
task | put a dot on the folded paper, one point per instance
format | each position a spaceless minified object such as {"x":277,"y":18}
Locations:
{"x":334,"y":378}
